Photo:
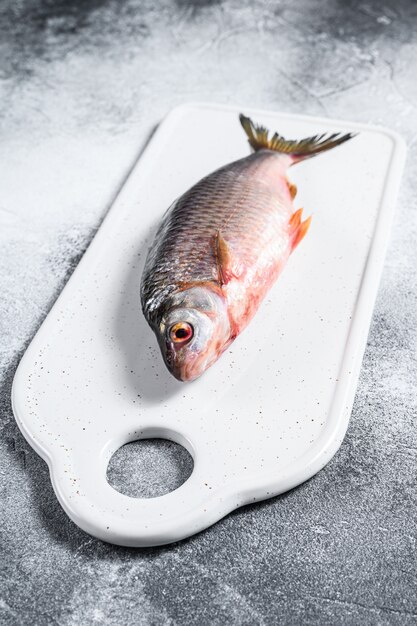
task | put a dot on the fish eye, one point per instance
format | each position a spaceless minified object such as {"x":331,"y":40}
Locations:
{"x":181,"y":332}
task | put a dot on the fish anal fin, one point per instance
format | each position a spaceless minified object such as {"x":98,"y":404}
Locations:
{"x":300,"y":231}
{"x":292,"y":189}
{"x":228,"y":264}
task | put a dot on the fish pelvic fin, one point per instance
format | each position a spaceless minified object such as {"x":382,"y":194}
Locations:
{"x":298,"y":229}
{"x":228,"y":265}
{"x":297,"y":149}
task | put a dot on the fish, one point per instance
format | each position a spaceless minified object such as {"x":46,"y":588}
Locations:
{"x":221,"y":246}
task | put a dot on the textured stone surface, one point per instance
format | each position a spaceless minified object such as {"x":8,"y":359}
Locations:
{"x":82,"y":86}
{"x":149,"y":468}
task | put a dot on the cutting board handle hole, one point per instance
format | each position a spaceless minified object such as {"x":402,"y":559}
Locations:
{"x":148,"y":468}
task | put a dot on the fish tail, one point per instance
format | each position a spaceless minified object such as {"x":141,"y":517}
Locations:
{"x":298,"y":150}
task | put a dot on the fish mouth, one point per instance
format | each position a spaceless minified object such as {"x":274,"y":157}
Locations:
{"x":180,"y":371}
{"x":184,"y":376}
{"x":204,"y":313}
{"x":185,"y":373}
{"x":187,"y":370}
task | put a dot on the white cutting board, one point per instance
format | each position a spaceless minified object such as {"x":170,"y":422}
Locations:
{"x":274,"y":409}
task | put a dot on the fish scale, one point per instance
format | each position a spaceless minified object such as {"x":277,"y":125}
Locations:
{"x":242,"y":208}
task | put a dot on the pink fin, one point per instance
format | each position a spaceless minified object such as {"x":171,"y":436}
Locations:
{"x":295,"y":220}
{"x":292,"y":189}
{"x":228,"y":265}
{"x":300,"y":229}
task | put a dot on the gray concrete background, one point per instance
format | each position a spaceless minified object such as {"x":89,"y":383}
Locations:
{"x":82,"y":86}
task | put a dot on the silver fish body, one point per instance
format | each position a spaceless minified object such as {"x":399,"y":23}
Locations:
{"x":220,"y":247}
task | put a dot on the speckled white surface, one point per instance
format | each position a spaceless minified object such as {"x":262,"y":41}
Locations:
{"x":275,"y":408}
{"x":82,"y":87}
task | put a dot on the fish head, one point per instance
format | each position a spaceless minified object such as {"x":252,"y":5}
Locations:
{"x":193,"y":331}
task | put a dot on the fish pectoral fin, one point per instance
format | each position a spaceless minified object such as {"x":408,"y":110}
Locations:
{"x":228,"y":264}
{"x":298,"y":228}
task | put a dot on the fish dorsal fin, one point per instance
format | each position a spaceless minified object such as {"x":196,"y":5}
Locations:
{"x":298,"y":229}
{"x":228,"y":264}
